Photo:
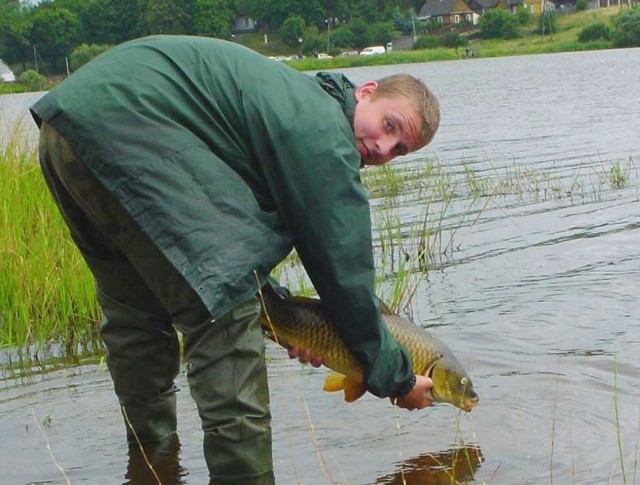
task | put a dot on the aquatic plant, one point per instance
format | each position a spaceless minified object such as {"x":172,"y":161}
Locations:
{"x":46,"y":292}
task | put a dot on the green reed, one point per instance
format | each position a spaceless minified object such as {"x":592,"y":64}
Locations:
{"x":46,"y":293}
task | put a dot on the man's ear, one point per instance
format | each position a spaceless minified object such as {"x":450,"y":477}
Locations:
{"x":366,"y":90}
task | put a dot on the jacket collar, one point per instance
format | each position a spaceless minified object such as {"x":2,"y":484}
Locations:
{"x":342,"y":90}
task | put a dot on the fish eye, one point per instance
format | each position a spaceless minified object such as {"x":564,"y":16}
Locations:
{"x":464,"y":381}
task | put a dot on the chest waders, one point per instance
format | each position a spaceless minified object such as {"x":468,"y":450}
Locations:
{"x":143,"y":297}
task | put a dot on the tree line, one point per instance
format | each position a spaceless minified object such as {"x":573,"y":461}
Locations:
{"x":52,"y":29}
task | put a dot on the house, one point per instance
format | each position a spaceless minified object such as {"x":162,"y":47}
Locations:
{"x":6,"y":74}
{"x":451,"y":12}
{"x":536,"y":7}
{"x":243,"y":22}
{"x":448,"y":12}
{"x":482,"y":6}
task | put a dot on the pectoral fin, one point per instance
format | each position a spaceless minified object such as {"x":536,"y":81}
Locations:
{"x":353,"y":388}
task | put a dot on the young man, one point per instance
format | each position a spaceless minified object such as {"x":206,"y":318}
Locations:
{"x":186,"y":169}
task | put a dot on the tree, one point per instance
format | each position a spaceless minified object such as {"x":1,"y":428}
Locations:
{"x":54,"y":31}
{"x":273,"y":13}
{"x":626,"y":28}
{"x":214,"y":18}
{"x":13,"y":31}
{"x":166,"y":16}
{"x":382,"y":32}
{"x":360,"y":31}
{"x":110,"y":21}
{"x":498,"y":24}
{"x":292,"y":30}
{"x":343,"y":38}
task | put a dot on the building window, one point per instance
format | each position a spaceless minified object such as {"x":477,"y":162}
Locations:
{"x":467,"y":17}
{"x":456,"y":19}
{"x":533,"y":9}
{"x":440,"y":19}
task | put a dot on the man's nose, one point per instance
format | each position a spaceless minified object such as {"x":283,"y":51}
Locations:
{"x":386,"y":146}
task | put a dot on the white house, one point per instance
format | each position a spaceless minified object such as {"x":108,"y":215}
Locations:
{"x":6,"y":74}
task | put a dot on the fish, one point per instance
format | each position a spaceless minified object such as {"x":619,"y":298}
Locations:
{"x":302,"y":322}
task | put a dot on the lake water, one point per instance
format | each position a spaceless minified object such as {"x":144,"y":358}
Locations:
{"x":537,"y":298}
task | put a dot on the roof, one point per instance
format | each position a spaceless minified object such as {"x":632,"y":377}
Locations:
{"x":4,"y":69}
{"x":435,"y":8}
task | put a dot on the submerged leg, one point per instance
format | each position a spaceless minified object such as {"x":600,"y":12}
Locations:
{"x":228,"y":380}
{"x":143,"y":352}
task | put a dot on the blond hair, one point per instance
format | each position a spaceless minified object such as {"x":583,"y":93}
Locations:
{"x":418,"y":94}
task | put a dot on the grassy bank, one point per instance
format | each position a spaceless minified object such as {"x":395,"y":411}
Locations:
{"x":564,"y":39}
{"x":46,"y":293}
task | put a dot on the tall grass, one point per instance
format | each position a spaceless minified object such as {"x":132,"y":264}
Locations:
{"x":46,"y":293}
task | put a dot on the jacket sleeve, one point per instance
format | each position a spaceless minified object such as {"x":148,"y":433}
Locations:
{"x":308,"y":156}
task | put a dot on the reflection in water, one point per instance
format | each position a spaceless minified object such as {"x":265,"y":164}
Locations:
{"x":160,"y":463}
{"x":456,"y":465}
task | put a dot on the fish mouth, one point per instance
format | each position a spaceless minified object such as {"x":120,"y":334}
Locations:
{"x":470,"y":403}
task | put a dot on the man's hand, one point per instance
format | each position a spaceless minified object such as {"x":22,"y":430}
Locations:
{"x":417,"y":397}
{"x":305,"y":356}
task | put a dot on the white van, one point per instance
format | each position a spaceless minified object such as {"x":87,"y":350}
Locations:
{"x":373,"y":50}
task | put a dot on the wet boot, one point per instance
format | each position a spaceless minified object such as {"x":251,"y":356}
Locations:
{"x":228,"y":380}
{"x":143,"y":361}
{"x":156,"y":462}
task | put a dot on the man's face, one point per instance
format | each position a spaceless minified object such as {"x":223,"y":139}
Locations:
{"x":385,"y":127}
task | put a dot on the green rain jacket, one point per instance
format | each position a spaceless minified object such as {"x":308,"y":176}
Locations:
{"x":227,"y":159}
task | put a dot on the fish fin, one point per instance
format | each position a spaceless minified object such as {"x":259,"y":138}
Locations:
{"x":334,"y":382}
{"x":353,"y":388}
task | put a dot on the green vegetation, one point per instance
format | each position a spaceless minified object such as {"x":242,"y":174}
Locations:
{"x":43,"y":36}
{"x":595,"y":31}
{"x":47,"y":294}
{"x":499,"y":24}
{"x":626,"y":32}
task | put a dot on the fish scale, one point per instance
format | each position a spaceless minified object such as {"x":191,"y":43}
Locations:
{"x":295,"y":321}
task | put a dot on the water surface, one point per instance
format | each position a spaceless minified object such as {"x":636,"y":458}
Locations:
{"x":537,"y":298}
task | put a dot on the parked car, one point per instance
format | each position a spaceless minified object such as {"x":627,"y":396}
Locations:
{"x":349,"y":53}
{"x":322,"y":55}
{"x":373,"y":50}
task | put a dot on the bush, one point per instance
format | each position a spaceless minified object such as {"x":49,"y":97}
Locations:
{"x":523,"y":15}
{"x":312,"y":42}
{"x":84,"y":53}
{"x":292,"y":30}
{"x":595,"y":31}
{"x":626,"y":28}
{"x":581,"y":5}
{"x":499,"y":24}
{"x":453,"y":39}
{"x":428,"y":42}
{"x":33,"y":81}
